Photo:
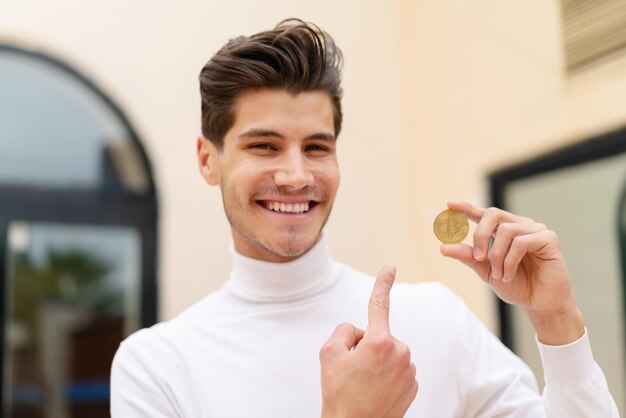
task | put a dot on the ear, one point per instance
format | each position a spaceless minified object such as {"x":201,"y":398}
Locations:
{"x":208,"y":161}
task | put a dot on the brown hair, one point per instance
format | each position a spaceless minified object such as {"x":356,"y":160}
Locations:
{"x":296,"y":56}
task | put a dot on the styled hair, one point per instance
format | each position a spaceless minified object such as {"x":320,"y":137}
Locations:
{"x":296,"y":56}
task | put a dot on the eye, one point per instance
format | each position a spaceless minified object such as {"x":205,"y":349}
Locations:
{"x":316,"y":149}
{"x":262,"y":146}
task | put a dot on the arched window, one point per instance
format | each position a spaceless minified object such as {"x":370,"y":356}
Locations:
{"x":78,"y":216}
{"x":621,"y":221}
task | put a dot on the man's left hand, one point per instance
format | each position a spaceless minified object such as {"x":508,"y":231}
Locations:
{"x":525,"y":267}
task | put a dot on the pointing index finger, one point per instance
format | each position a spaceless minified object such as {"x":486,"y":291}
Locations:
{"x":378,"y":309}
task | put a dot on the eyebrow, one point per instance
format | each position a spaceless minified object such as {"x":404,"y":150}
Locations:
{"x":268,"y":133}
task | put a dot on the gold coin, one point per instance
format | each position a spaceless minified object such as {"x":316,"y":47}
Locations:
{"x":451,"y":226}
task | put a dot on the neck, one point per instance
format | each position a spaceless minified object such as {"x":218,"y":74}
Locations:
{"x":265,"y":281}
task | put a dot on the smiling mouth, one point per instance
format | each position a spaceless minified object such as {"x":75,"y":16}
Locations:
{"x":291,"y":208}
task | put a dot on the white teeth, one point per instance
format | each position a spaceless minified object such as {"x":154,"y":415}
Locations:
{"x":288,"y":207}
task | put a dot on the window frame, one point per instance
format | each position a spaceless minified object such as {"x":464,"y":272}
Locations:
{"x":595,"y":148}
{"x":98,"y":207}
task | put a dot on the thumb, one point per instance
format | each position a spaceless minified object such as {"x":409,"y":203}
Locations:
{"x":465,"y":254}
{"x":378,"y":308}
{"x":343,"y":339}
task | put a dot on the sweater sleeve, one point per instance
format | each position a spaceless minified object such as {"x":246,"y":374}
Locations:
{"x":497,"y":383}
{"x":574,"y":383}
{"x":138,"y":389}
{"x":494,"y":381}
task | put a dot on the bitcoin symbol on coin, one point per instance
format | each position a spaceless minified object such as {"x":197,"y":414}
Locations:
{"x":451,"y":226}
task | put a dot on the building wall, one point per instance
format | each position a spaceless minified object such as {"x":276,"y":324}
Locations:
{"x":437,"y":94}
{"x":487,"y":88}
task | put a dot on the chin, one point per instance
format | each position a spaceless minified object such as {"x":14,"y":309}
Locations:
{"x":293,"y":247}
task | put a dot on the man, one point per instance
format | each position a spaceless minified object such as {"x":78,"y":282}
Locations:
{"x":271,"y":114}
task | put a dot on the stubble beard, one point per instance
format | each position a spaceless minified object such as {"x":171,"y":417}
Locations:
{"x":293,"y":248}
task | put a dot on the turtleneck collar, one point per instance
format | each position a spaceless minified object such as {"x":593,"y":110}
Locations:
{"x":264,"y":281}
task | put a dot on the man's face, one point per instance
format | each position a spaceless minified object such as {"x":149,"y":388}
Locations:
{"x":277,"y":171}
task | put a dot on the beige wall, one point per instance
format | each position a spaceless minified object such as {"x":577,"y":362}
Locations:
{"x":487,"y":88}
{"x":437,"y":94}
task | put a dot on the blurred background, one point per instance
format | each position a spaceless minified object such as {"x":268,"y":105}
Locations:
{"x":106,"y":225}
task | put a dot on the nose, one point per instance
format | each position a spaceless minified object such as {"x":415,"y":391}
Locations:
{"x":294,"y":171}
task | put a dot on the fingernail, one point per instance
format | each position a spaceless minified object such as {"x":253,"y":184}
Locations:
{"x":477,"y":253}
{"x":495,"y":273}
{"x":505,"y":278}
{"x":390,"y":268}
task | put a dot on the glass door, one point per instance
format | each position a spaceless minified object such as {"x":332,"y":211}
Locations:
{"x":72,"y":294}
{"x":78,"y":238}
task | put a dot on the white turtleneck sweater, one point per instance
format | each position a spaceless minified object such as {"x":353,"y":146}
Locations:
{"x":251,"y":349}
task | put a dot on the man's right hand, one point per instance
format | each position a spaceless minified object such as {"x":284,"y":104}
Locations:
{"x":368,"y":373}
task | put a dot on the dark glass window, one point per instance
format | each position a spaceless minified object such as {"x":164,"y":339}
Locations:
{"x":77,"y":238}
{"x":579,"y":192}
{"x":56,"y":133}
